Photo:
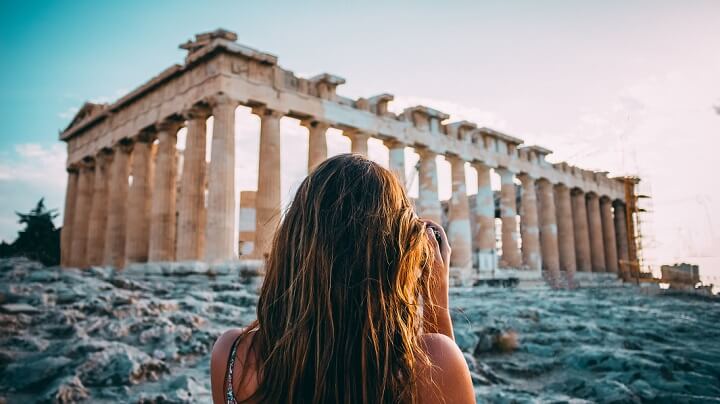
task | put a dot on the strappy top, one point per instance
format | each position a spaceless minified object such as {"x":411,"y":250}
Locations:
{"x":229,"y":395}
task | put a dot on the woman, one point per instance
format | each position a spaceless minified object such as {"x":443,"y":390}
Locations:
{"x":354,"y":305}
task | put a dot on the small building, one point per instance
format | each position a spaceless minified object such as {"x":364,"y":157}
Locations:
{"x":682,"y":274}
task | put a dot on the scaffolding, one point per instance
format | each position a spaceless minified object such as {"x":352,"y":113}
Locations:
{"x":635,"y":211}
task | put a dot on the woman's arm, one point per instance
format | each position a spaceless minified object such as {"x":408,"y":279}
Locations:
{"x":437,"y":316}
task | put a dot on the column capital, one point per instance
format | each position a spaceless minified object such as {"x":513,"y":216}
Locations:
{"x":201,"y":110}
{"x":355,"y":133}
{"x":480,"y":165}
{"x":527,"y":178}
{"x":87,"y":163}
{"x":72,"y":168}
{"x":560,"y":186}
{"x":576,"y":191}
{"x":104,"y":155}
{"x":219,"y":99}
{"x":124,"y":145}
{"x":264,"y":112}
{"x":506,"y":175}
{"x":393,"y":144}
{"x":453,"y":158}
{"x":543,"y":180}
{"x":170,"y":124}
{"x":424,"y":152}
{"x":591,"y":195}
{"x":146,"y":135}
{"x":312,"y":123}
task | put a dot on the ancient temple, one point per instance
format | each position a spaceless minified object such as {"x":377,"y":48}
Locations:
{"x":128,"y":202}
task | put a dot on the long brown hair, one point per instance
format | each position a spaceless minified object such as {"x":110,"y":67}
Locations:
{"x":338,"y":314}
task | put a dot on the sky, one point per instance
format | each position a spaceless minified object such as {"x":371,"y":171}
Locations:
{"x":625,"y":87}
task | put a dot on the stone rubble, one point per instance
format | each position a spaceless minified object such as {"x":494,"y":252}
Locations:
{"x":144,"y":335}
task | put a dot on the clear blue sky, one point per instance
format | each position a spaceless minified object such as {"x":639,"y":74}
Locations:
{"x":623,"y":86}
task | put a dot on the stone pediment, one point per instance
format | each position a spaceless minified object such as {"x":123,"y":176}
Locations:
{"x":88,"y":109}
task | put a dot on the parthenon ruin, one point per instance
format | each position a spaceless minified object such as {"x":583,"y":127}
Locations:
{"x":127,"y":201}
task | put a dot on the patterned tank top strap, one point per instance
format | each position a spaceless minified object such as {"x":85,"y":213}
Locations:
{"x":229,"y":395}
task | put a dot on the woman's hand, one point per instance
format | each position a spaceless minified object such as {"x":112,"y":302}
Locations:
{"x":437,"y":315}
{"x":441,"y":250}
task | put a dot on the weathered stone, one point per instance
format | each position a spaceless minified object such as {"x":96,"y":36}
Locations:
{"x":18,"y":308}
{"x":218,"y":74}
{"x":119,"y":364}
{"x":66,"y":390}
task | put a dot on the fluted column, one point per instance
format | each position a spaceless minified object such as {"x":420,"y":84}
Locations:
{"x":597,"y":248}
{"x":582,"y":231}
{"x":484,"y":240}
{"x":163,"y":209}
{"x":191,"y":209}
{"x":459,"y":232}
{"x":428,"y":204}
{"x":137,"y":235}
{"x":66,"y":234}
{"x":317,"y":143}
{"x":566,"y":236}
{"x":115,"y":232}
{"x":529,"y":228}
{"x":82,"y":213}
{"x":511,"y":252}
{"x":396,"y":154}
{"x":267,"y":209}
{"x":608,"y":230}
{"x":220,"y":216}
{"x":359,"y":141}
{"x":99,"y":209}
{"x":622,"y":239}
{"x":548,"y":230}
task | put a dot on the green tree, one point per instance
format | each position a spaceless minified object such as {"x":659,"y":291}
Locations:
{"x":39,"y":240}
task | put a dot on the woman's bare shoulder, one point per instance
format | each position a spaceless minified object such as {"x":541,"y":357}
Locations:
{"x":221,"y":355}
{"x":448,"y":379}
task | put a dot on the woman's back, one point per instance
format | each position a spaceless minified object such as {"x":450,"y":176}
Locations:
{"x":355,"y":291}
{"x":234,"y":370}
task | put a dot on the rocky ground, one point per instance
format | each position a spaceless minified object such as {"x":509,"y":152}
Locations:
{"x":144,"y":335}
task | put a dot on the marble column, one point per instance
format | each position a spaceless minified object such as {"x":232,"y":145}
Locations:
{"x":582,"y":232}
{"x":484,"y":240}
{"x":396,"y":154}
{"x":317,"y":143}
{"x":99,"y":209}
{"x":622,"y":239}
{"x":163,"y":209}
{"x":191,"y":208}
{"x":428,"y":204}
{"x":548,"y":230}
{"x":510,"y":251}
{"x":267,"y":209}
{"x":359,"y":141}
{"x":608,"y":230}
{"x":459,"y":232}
{"x":566,"y":236}
{"x":529,"y":228}
{"x":115,"y":232}
{"x":66,"y":234}
{"x":137,"y":237}
{"x":597,"y":248}
{"x":82,"y":213}
{"x":220,"y":217}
